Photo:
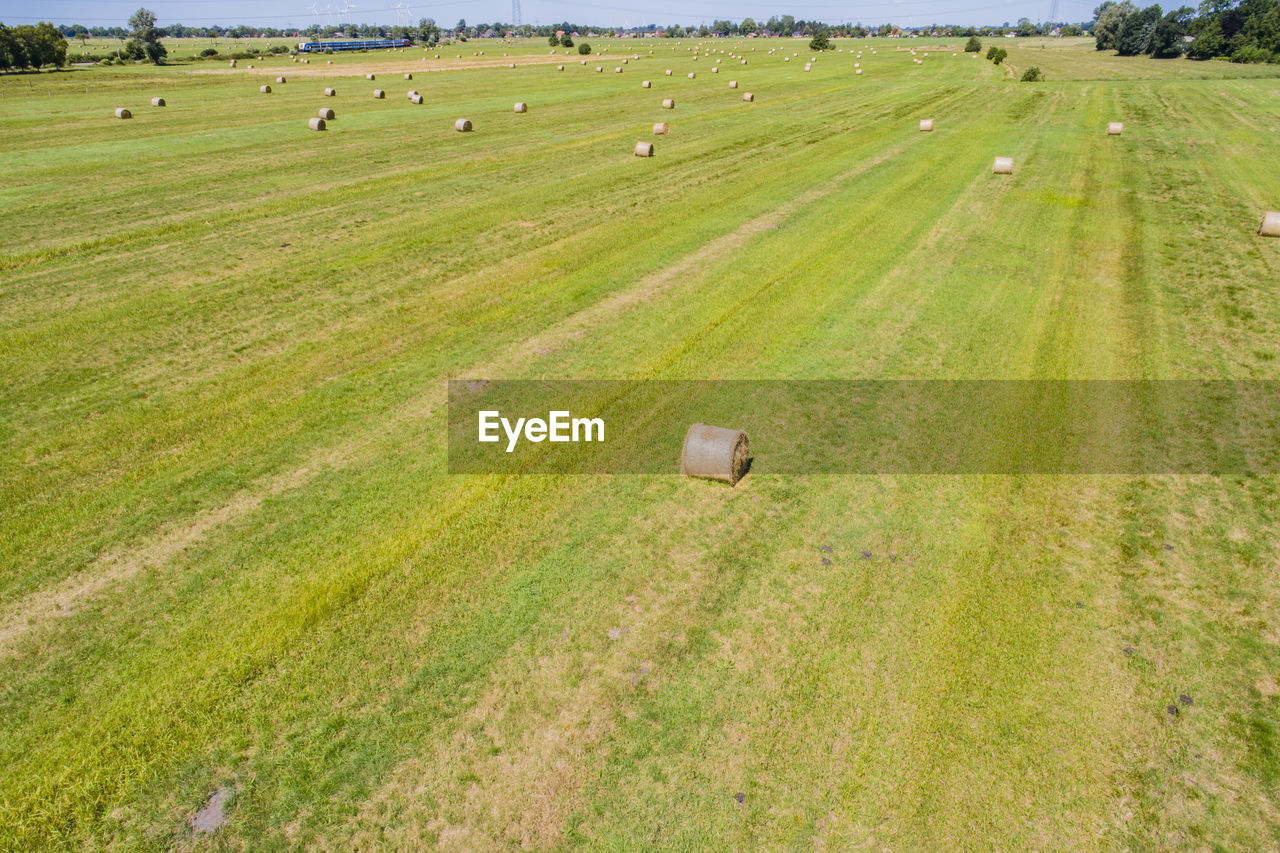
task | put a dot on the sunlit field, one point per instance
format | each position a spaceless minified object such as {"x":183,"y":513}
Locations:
{"x":243,"y":605}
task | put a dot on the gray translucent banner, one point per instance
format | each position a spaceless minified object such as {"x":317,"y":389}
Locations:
{"x":1223,"y":427}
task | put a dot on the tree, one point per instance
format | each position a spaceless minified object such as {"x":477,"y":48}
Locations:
{"x":1137,"y":31}
{"x":566,"y":41}
{"x":1026,"y":28}
{"x":1107,"y":20}
{"x":973,"y":45}
{"x":144,"y":37}
{"x":553,"y":40}
{"x":584,"y":49}
{"x":748,"y":25}
{"x":820,"y":41}
{"x":1167,"y":40}
{"x":428,"y":32}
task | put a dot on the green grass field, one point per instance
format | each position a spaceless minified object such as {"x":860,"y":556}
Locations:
{"x":232,"y":560}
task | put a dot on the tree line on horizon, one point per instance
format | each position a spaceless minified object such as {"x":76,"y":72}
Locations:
{"x":1236,"y":30}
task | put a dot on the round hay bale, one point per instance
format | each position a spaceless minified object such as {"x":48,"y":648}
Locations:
{"x":233,"y":63}
{"x":1115,"y":128}
{"x":411,"y":93}
{"x":618,"y":70}
{"x":926,"y":125}
{"x":371,"y":76}
{"x":251,"y":66}
{"x":668,"y":103}
{"x":415,"y":98}
{"x":715,"y":70}
{"x":661,"y":129}
{"x":599,"y":69}
{"x":462,"y":125}
{"x":121,"y":112}
{"x":691,"y":75}
{"x":330,"y":92}
{"x":378,"y":94}
{"x":157,"y":102}
{"x":584,"y":62}
{"x":559,"y":67}
{"x":280,"y":80}
{"x":858,"y":72}
{"x":748,"y":97}
{"x":327,"y":113}
{"x":511,"y":65}
{"x":733,"y":84}
{"x":715,"y":453}
{"x":744,"y":62}
{"x":408,"y":76}
{"x":644,"y":149}
{"x":644,"y":84}
{"x":315,"y":123}
{"x":266,"y":90}
{"x":668,"y":72}
{"x":521,"y":107}
{"x":1270,"y":226}
{"x":1002,"y":166}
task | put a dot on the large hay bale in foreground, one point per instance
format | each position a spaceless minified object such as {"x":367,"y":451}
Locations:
{"x":748,"y":97}
{"x":157,"y":102}
{"x":462,"y":125}
{"x":715,"y":453}
{"x":644,"y":149}
{"x":1115,"y":128}
{"x":315,"y":123}
{"x":122,"y":112}
{"x":1270,"y":226}
{"x":327,"y":113}
{"x":668,"y":103}
{"x":926,"y":125}
{"x":266,"y":90}
{"x":661,"y":129}
{"x":378,"y":94}
{"x":521,"y":107}
{"x":1002,"y":166}
{"x":330,"y":92}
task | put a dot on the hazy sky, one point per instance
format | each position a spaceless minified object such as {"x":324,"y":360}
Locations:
{"x":299,"y":13}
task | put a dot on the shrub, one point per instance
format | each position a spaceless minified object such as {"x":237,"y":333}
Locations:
{"x":973,"y":45}
{"x":209,"y":51}
{"x":584,"y":48}
{"x":1251,"y":53}
{"x":1000,"y":55}
{"x":1032,"y":75}
{"x":991,"y":52}
{"x":565,"y":41}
